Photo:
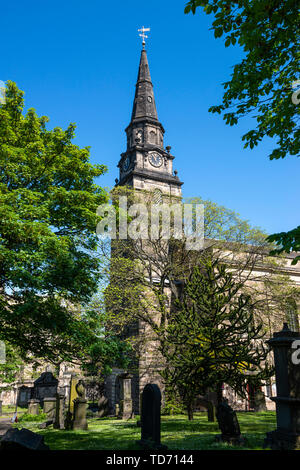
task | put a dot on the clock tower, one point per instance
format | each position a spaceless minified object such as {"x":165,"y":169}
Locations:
{"x":146,"y":164}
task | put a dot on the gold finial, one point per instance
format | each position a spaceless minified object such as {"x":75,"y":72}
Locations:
{"x":143,"y":35}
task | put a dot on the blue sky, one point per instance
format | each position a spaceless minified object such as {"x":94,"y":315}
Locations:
{"x":78,"y":61}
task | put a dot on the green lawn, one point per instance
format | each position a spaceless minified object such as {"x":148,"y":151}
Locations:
{"x":176,"y":432}
{"x":8,"y":411}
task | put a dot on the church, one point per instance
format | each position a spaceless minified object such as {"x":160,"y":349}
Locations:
{"x":147,"y":165}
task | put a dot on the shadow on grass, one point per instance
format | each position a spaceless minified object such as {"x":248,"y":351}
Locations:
{"x":176,"y":432}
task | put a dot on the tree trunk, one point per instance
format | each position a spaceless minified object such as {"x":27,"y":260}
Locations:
{"x":190,"y":411}
{"x":219,"y":393}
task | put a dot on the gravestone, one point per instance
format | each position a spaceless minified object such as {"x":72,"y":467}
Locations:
{"x":59,"y":422}
{"x":73,"y":393}
{"x":72,"y":396}
{"x":150,"y":418}
{"x":50,"y":407}
{"x":126,"y":401}
{"x":80,"y":406}
{"x":102,"y":407}
{"x":45,"y":387}
{"x":229,"y":425}
{"x":33,"y":407}
{"x":287,"y":372}
{"x":24,"y":395}
{"x":117,"y":410}
{"x":15,"y":439}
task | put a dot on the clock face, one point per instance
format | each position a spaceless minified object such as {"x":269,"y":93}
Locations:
{"x":126,"y":164}
{"x":155,"y":159}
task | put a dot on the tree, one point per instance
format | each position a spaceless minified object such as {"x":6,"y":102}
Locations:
{"x":146,"y":277}
{"x":48,"y":202}
{"x":213,"y":336}
{"x":107,"y":350}
{"x":10,"y":368}
{"x":261,"y":85}
{"x":288,"y":241}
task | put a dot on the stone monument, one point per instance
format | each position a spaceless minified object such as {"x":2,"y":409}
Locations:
{"x":24,"y":395}
{"x":150,"y":418}
{"x":59,"y":422}
{"x":102,"y":407}
{"x":80,"y":406}
{"x":229,"y":425}
{"x":45,"y":386}
{"x":50,"y":407}
{"x":33,"y":407}
{"x":15,"y":439}
{"x":126,"y":402}
{"x":287,"y":372}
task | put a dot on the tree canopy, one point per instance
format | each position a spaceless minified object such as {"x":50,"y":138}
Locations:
{"x":48,"y":202}
{"x":265,"y":84}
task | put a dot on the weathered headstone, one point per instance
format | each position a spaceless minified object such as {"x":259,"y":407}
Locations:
{"x":72,"y":396}
{"x":102,"y":407}
{"x":45,"y":386}
{"x":15,"y":439}
{"x":229,"y":425}
{"x":126,"y":401}
{"x":59,"y":422}
{"x":150,"y":418}
{"x":73,"y":393}
{"x":33,"y":407}
{"x":80,"y":406}
{"x":287,"y":372}
{"x":24,"y":395}
{"x":50,"y":407}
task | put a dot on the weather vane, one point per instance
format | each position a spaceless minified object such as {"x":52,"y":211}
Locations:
{"x":143,"y":35}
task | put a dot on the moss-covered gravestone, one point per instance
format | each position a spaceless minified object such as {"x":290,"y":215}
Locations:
{"x":80,"y":406}
{"x":33,"y":407}
{"x":49,"y":407}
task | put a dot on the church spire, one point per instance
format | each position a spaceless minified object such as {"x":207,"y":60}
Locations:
{"x":146,"y":164}
{"x":144,"y":103}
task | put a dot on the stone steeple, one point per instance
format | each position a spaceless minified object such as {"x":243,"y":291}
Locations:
{"x":146,"y":164}
{"x":144,"y":103}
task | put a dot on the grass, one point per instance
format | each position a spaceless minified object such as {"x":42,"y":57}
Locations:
{"x":8,"y":411}
{"x":176,"y":432}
